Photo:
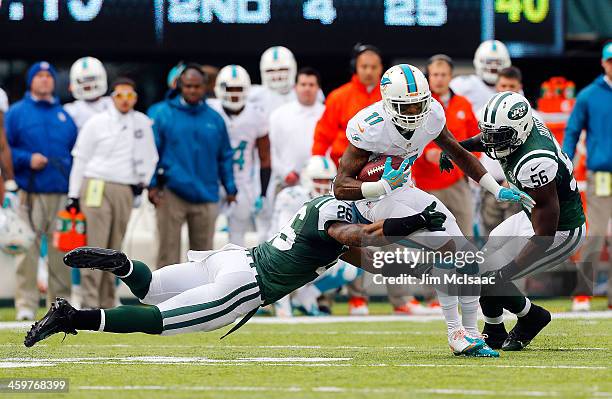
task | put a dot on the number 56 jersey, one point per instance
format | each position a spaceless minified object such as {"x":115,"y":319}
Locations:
{"x":371,"y":129}
{"x":293,"y":256}
{"x":540,"y":161}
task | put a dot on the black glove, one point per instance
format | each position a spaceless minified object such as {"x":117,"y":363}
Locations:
{"x":446,"y":165}
{"x":137,"y":189}
{"x":433,"y":219}
{"x":73,"y":203}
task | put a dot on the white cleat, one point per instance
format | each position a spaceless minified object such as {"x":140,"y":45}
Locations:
{"x":462,"y":344}
{"x":581,"y":304}
{"x":25,"y":315}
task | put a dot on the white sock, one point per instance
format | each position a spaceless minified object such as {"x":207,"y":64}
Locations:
{"x":102,"y":320}
{"x":469,"y":313}
{"x":450,"y":310}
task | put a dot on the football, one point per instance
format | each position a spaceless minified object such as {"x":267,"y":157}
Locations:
{"x":374,"y":169}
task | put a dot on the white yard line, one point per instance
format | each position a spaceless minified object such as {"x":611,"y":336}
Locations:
{"x":328,"y":389}
{"x":14,"y":325}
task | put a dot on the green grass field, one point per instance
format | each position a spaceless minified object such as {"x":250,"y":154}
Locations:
{"x":572,"y":358}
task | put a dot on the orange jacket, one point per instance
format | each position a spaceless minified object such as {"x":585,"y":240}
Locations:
{"x":341,"y":105}
{"x":462,"y":123}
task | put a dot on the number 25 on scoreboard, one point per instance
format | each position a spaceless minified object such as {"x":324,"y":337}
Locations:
{"x":535,"y":11}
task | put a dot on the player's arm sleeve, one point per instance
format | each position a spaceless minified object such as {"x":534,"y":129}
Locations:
{"x":326,"y":128}
{"x":333,"y":211}
{"x":225,"y":160}
{"x":537,"y":172}
{"x":21,"y":157}
{"x":575,"y":124}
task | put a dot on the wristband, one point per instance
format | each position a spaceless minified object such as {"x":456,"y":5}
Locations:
{"x":488,"y":183}
{"x":373,"y":189}
{"x":402,"y":227}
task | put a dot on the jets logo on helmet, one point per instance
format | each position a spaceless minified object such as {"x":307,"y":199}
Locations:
{"x":278,"y":69}
{"x":491,"y":57}
{"x":88,"y":79}
{"x":406,"y":96}
{"x":505,"y":123}
{"x":232,"y":86}
{"x":318,"y":175}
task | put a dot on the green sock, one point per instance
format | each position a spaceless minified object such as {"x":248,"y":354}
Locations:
{"x":129,"y":319}
{"x":138,"y":280}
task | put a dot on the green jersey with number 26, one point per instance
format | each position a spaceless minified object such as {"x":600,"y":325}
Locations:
{"x":539,"y":161}
{"x":302,"y":249}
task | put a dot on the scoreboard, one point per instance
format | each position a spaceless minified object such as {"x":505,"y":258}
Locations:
{"x":411,"y":28}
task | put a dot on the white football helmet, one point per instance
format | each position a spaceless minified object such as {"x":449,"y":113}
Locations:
{"x":491,"y":57}
{"x":505,"y":123}
{"x":318,"y":175}
{"x":88,"y":79}
{"x":232,"y":86}
{"x":16,"y":236}
{"x":278,"y":69}
{"x":406,"y":96}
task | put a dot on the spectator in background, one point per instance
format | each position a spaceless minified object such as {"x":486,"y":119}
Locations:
{"x":114,"y":158}
{"x":592,"y":112}
{"x":41,"y":135}
{"x":194,"y":155}
{"x":292,"y":129}
{"x":6,"y":161}
{"x":344,"y":102}
{"x":450,"y":188}
{"x":211,"y":79}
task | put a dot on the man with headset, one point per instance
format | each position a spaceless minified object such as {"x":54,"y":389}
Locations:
{"x":194,"y":155}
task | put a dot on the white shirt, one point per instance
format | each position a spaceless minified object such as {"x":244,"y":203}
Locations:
{"x":269,"y":100}
{"x":4,"y":104}
{"x":474,"y":89}
{"x":80,"y":111}
{"x":105,"y":149}
{"x":292,"y":129}
{"x":243,"y":129}
{"x":379,"y":135}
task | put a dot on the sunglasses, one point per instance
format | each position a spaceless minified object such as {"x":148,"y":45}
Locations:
{"x":127,"y":95}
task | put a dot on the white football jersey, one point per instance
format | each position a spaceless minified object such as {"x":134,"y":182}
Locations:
{"x":371,"y":130}
{"x":474,"y":89}
{"x":80,"y":111}
{"x":269,"y":100}
{"x":243,"y":130}
{"x":4,"y":104}
{"x":287,"y":203}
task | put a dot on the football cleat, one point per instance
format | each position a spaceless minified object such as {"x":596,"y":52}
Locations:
{"x":413,"y":307}
{"x":358,"y":306}
{"x":104,"y":259}
{"x":485,"y":350}
{"x":58,"y":319}
{"x":494,"y":335}
{"x":581,"y":303}
{"x":527,"y":328}
{"x":462,"y":344}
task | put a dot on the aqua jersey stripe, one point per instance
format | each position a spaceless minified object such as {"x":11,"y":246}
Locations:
{"x":234,"y":72}
{"x":410,"y":81}
{"x":196,"y":308}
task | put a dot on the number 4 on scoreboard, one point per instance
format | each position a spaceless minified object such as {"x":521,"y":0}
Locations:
{"x":323,"y":10}
{"x":535,"y":10}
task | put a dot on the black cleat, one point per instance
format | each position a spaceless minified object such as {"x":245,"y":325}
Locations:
{"x":495,"y":335}
{"x":58,"y":319}
{"x":527,"y":328}
{"x":96,"y":258}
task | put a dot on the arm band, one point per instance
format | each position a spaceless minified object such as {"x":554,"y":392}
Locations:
{"x":488,"y":183}
{"x":401,"y":227}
